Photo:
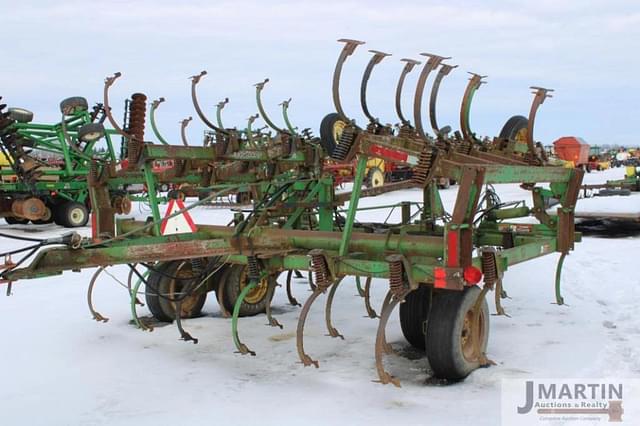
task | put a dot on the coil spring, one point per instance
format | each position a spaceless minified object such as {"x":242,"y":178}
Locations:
{"x":137,"y":114}
{"x":489,"y":267}
{"x":320,"y":269}
{"x":93,"y":172}
{"x":464,"y":147}
{"x":344,"y":144}
{"x":422,"y":169}
{"x":406,"y":131}
{"x":253,"y":267}
{"x":396,"y":276}
{"x":197,"y":265}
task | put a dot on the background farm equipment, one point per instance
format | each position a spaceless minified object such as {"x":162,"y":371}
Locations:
{"x":44,"y":166}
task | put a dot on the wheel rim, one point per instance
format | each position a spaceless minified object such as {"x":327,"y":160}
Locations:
{"x":258,"y":293}
{"x":338,"y":128}
{"x":472,"y":332}
{"x":188,"y":303}
{"x":92,"y":136}
{"x":377,"y":179}
{"x":76,"y":215}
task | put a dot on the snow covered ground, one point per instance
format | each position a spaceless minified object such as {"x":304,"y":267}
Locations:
{"x":60,"y":367}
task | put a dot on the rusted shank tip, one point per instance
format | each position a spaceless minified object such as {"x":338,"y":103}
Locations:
{"x":434,"y":56}
{"x":377,"y":52}
{"x":349,"y":40}
{"x":196,"y":78}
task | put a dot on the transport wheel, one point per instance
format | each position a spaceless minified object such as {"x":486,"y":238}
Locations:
{"x":91,"y":132}
{"x":414,"y":313}
{"x":375,"y":178}
{"x":48,"y":218}
{"x":256,"y":300}
{"x":21,"y":115}
{"x":71,"y":214}
{"x":163,"y":287}
{"x":331,"y":128}
{"x":449,"y":341}
{"x":74,"y":104}
{"x":514,"y":127}
{"x":11,"y":220}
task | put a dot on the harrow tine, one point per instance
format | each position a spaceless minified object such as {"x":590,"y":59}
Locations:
{"x":195,"y":79}
{"x":152,"y":117}
{"x":292,"y":300}
{"x":540,"y":95}
{"x":371,"y":313}
{"x":444,"y":71}
{"x":304,"y":358}
{"x":432,"y":63}
{"x":409,"y":65}
{"x":129,"y":287}
{"x":312,"y":285}
{"x":219,"y":107}
{"x":96,"y":315}
{"x":375,"y":59}
{"x":108,"y":82}
{"x":261,"y":110}
{"x":381,"y":343}
{"x":273,"y":322}
{"x":183,"y":130}
{"x":498,"y":299}
{"x":386,"y":347}
{"x":348,"y":49}
{"x":359,"y":287}
{"x":184,"y":335}
{"x":134,"y":299}
{"x":333,"y":332}
{"x":242,"y":348}
{"x":474,"y":84}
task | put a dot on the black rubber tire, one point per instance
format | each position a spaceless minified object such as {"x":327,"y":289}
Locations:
{"x":327,"y":138}
{"x":74,"y":104}
{"x":21,"y":115}
{"x":513,"y":126}
{"x":152,"y":289}
{"x":161,"y":308}
{"x":232,"y":290}
{"x":15,"y":221}
{"x":414,"y":313}
{"x":91,"y":132}
{"x":71,"y":214}
{"x":444,"y":331}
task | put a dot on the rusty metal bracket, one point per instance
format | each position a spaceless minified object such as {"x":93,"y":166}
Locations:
{"x":348,"y":49}
{"x":475,"y":82}
{"x":195,"y":79}
{"x":433,"y":98}
{"x":375,"y":59}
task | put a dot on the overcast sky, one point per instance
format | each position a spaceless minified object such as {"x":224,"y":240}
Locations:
{"x":588,"y":51}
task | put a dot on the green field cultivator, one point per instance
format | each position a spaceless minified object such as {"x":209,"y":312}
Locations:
{"x":438,"y":265}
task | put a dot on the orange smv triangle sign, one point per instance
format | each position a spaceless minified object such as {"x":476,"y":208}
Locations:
{"x":179,"y":224}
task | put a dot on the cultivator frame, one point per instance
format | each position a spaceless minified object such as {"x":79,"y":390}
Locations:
{"x":427,"y":257}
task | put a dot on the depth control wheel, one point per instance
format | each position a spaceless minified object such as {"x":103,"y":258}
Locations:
{"x":255,"y":302}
